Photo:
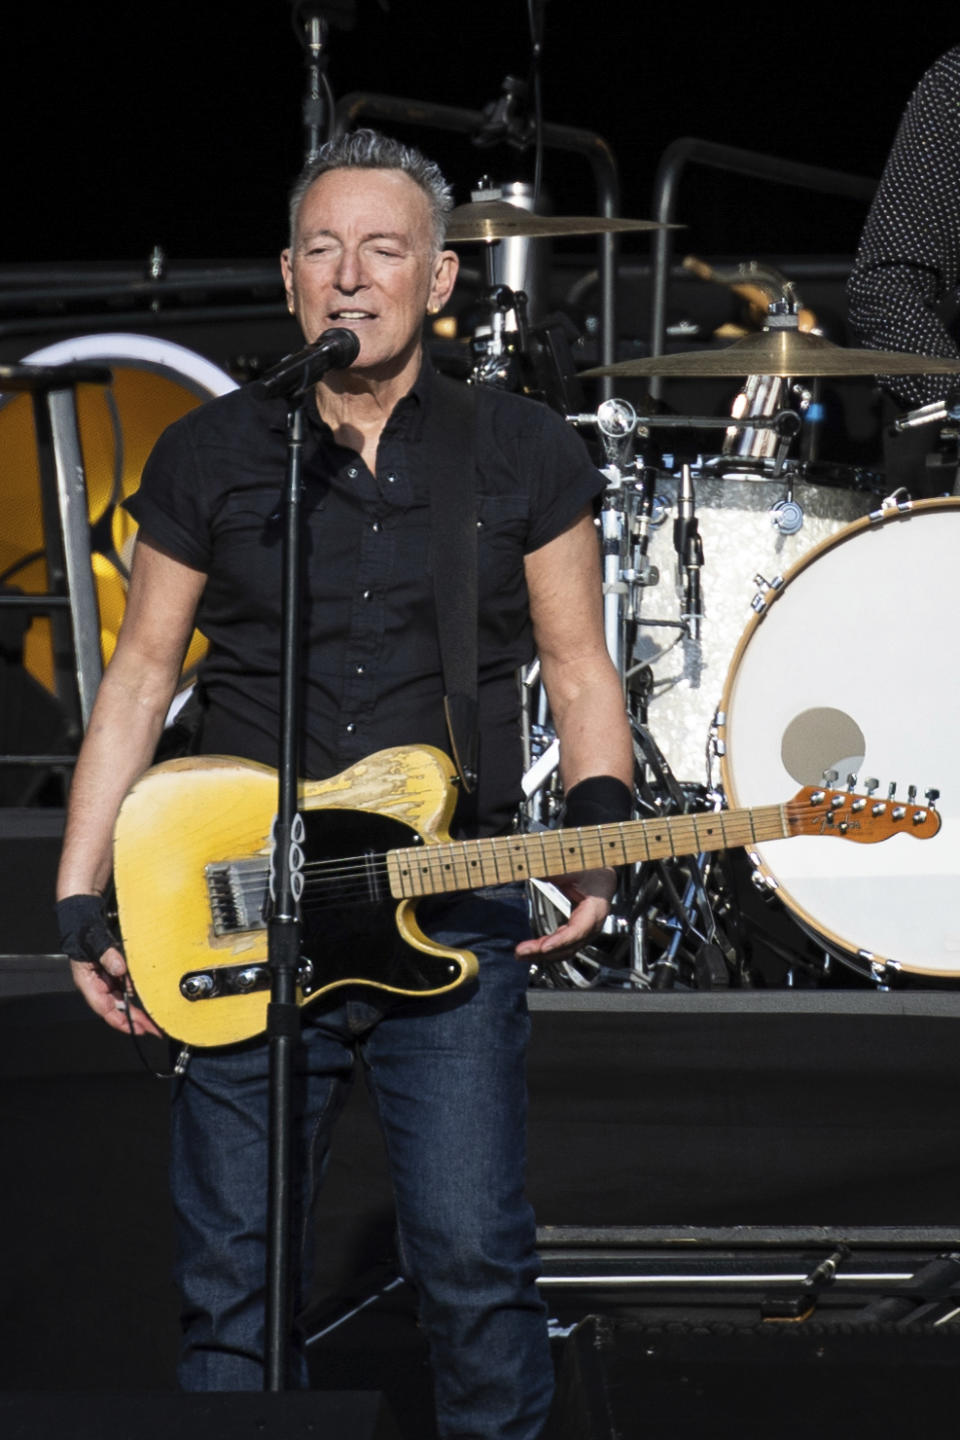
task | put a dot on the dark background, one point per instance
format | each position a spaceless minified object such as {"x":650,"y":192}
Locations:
{"x":179,"y":124}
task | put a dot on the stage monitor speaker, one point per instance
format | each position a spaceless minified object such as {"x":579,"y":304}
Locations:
{"x":332,"y":1414}
{"x":622,"y":1379}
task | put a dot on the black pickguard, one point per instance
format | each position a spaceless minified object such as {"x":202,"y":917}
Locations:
{"x":349,"y":927}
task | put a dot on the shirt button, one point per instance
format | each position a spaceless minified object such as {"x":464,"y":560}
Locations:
{"x":352,"y":471}
{"x":391,"y":479}
{"x":375,"y":527}
{"x":360,"y":669}
{"x":350,"y":728}
{"x":367,"y":595}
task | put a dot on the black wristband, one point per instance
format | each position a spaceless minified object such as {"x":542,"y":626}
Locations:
{"x":84,"y":932}
{"x":598,"y":800}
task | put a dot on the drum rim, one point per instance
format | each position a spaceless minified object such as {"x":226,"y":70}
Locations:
{"x":831,"y":941}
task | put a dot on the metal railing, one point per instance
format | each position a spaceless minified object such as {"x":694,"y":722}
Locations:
{"x":689,"y":150}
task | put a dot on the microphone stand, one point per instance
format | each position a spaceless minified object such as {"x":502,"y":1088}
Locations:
{"x":283,"y":927}
{"x":293,"y":377}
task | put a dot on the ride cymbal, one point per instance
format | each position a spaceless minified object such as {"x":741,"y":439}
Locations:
{"x":499,"y":220}
{"x":781,"y":352}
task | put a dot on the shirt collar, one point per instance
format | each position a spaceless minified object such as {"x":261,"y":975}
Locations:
{"x":406,"y":418}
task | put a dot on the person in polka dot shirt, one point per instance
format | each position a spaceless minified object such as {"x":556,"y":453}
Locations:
{"x":904,"y":288}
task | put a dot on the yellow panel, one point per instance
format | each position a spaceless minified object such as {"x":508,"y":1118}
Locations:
{"x":119,"y":425}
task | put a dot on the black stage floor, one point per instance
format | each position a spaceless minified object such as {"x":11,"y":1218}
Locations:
{"x":693,"y":1160}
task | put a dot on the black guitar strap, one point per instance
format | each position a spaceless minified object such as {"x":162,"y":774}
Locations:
{"x":452,"y":465}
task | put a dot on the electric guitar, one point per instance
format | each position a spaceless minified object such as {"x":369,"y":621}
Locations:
{"x":192,"y":867}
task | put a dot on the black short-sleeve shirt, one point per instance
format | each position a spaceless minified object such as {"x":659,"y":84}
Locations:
{"x":211,"y":495}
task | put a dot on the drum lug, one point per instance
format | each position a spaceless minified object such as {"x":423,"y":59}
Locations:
{"x":760,"y":879}
{"x":759,"y":601}
{"x":881,"y":971}
{"x":898,"y":500}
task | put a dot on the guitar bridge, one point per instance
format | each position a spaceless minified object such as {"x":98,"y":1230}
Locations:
{"x":238,"y":892}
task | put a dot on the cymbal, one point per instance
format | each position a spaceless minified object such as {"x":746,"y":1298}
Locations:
{"x":781,"y":352}
{"x":499,"y":220}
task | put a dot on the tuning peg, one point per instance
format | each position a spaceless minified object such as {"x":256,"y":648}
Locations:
{"x":851,"y":782}
{"x":932,"y":797}
{"x":871,"y":784}
{"x":911,"y":793}
{"x":891,"y":789}
{"x":831,"y":776}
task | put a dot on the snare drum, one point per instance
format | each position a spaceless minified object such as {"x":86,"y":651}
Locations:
{"x":749,"y":528}
{"x":852,"y":667}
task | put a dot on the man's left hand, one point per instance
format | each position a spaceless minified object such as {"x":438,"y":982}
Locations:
{"x":590,"y":893}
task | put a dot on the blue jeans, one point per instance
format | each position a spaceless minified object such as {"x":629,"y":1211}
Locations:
{"x":448,"y":1080}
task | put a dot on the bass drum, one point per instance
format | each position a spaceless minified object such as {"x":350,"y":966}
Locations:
{"x":154,"y":383}
{"x":852,"y":668}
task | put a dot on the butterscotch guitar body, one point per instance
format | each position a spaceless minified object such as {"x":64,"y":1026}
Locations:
{"x":191,"y":855}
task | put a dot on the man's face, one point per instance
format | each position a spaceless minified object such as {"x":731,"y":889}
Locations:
{"x":363,"y":260}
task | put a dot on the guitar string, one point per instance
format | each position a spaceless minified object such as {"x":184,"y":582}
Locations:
{"x":355,"y":864}
{"x":365,"y":872}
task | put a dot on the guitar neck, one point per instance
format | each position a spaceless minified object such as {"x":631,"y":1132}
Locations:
{"x":465,"y":864}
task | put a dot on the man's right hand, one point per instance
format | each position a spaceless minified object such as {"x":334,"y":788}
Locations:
{"x":104,"y":984}
{"x":97,"y":964}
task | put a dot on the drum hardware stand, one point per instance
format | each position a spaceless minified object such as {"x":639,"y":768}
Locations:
{"x":690,"y":916}
{"x":946,"y":414}
{"x":935,"y":413}
{"x":495,"y":348}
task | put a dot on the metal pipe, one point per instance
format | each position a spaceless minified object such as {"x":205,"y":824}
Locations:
{"x":749,"y":163}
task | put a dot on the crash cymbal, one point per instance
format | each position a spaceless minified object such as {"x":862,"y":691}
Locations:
{"x":781,"y":352}
{"x":499,"y":220}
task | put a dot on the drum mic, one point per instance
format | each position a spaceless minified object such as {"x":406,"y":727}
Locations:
{"x":295,"y":374}
{"x":689,"y":548}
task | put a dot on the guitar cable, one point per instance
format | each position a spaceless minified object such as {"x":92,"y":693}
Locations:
{"x":180,"y":1063}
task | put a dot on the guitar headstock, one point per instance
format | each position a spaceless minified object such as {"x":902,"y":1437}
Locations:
{"x":818,"y":810}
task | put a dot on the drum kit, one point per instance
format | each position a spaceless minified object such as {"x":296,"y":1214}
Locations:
{"x":776,"y":622}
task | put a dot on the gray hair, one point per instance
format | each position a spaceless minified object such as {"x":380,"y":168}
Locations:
{"x":369,"y":150}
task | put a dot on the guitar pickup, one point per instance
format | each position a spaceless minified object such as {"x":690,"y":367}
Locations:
{"x":238,"y":891}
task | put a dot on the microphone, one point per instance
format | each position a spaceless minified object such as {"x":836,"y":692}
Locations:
{"x":295,"y":374}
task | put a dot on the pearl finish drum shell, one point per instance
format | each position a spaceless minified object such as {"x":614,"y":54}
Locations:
{"x":740,"y":541}
{"x":860,"y":641}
